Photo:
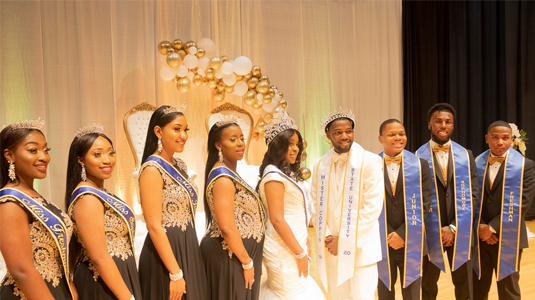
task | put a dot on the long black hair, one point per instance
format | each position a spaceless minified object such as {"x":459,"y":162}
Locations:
{"x":214,"y":136}
{"x":158,"y":118}
{"x":10,"y":139}
{"x":276,"y":155}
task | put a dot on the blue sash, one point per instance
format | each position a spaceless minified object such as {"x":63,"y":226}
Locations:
{"x":118,"y":206}
{"x":412,"y":192}
{"x":224,"y":171}
{"x":509,"y":235}
{"x":53,"y":223}
{"x":183,"y":182}
{"x":463,"y":208}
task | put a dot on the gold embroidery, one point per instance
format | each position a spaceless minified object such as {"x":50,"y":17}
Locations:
{"x":246,"y":216}
{"x":176,"y":209}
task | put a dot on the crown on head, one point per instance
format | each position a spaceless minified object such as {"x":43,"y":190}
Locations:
{"x":91,"y":128}
{"x":280,"y":122}
{"x":226,"y":119}
{"x":179,"y":108}
{"x":28,"y":124}
{"x":341,"y":113}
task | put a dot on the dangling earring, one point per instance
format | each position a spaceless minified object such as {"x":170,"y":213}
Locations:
{"x":84,"y":176}
{"x":160,"y":147}
{"x":220,"y":156}
{"x":11,"y":171}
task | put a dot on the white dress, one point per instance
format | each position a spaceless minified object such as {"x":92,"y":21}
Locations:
{"x":283,"y":281}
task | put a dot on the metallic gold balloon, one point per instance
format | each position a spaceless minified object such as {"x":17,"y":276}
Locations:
{"x":274,"y":87}
{"x":212,"y":83}
{"x":281,"y":95}
{"x":221,"y":86}
{"x":304,"y":156}
{"x":200,"y":53}
{"x":197,"y":80}
{"x":183,"y":84}
{"x":250,"y":97}
{"x":205,"y":82}
{"x":264,"y":78}
{"x":282,"y":103}
{"x":173,"y":60}
{"x":239,"y":78}
{"x":266,"y":99}
{"x":271,"y":92}
{"x":305,"y":144}
{"x":256,"y":71}
{"x":248,"y":75}
{"x":218,"y":95}
{"x":260,"y":123}
{"x":190,"y":44}
{"x":178,"y":44}
{"x":182,"y":53}
{"x":224,"y":59}
{"x":252,"y":82}
{"x":170,"y":50}
{"x":175,"y":79}
{"x":262,"y":87}
{"x":267,"y":117}
{"x":209,"y":73}
{"x":162,"y":47}
{"x":249,"y":102}
{"x":229,"y":89}
{"x":306,"y":173}
{"x":257,"y":105}
{"x":216,"y":63}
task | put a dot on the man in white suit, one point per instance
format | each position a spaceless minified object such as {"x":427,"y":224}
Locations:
{"x":348,"y":189}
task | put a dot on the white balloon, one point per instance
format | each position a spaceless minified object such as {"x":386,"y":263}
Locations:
{"x":240,"y":88}
{"x":269,"y":107}
{"x":182,"y":71}
{"x":227,"y":68}
{"x":200,"y":71}
{"x":259,"y":97}
{"x":192,"y":50}
{"x":191,"y":61}
{"x":190,"y":75}
{"x":208,"y":45}
{"x":276,"y":99}
{"x":167,"y":73}
{"x":229,"y":80}
{"x":218,"y":74}
{"x":258,"y":111}
{"x":242,"y":65}
{"x":204,"y":62}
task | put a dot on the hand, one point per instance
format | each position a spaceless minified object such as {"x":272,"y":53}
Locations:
{"x":309,"y":250}
{"x":484,"y":232}
{"x":249,"y":278}
{"x":493,"y":239}
{"x":331,"y":243}
{"x":448,"y":237}
{"x":74,"y":291}
{"x":302,"y":266}
{"x":177,"y":289}
{"x":395,"y":241}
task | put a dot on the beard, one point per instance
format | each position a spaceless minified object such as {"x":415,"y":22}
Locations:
{"x":438,"y":140}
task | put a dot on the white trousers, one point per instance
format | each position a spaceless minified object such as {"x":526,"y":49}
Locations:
{"x":362,"y":286}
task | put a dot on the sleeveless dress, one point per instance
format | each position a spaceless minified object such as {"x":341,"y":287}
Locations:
{"x":224,"y":269}
{"x":46,"y":256}
{"x":178,"y":222}
{"x":87,"y":280}
{"x":283,"y":281}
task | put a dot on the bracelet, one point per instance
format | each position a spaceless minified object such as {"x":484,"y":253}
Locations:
{"x":176,"y":277}
{"x":452,"y":228}
{"x":301,"y":255}
{"x":248,"y":266}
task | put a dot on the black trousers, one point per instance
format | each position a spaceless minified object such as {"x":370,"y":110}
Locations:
{"x":461,"y":278}
{"x":508,"y":288}
{"x":411,"y":292}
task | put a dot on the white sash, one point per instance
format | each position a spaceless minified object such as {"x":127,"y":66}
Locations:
{"x":349,"y":206}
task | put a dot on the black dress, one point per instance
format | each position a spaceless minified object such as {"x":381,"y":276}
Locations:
{"x":178,"y":222}
{"x":224,"y":270}
{"x":46,"y":256}
{"x":87,"y":280}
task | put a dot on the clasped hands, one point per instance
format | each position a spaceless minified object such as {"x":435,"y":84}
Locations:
{"x":486,"y":235}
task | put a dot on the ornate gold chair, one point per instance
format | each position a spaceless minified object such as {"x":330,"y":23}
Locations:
{"x":136,"y":123}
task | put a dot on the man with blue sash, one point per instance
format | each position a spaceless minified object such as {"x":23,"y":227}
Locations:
{"x":449,"y":223}
{"x":507,"y":181}
{"x":407,"y":200}
{"x":348,"y":189}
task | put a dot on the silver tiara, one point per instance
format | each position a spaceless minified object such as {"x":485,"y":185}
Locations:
{"x":341,"y":113}
{"x":91,"y":128}
{"x":280,"y":122}
{"x":28,"y":124}
{"x":179,"y":108}
{"x":226,"y":119}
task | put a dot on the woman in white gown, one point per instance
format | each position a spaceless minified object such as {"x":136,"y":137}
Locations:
{"x":282,"y":190}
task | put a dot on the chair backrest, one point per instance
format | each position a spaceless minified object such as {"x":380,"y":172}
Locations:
{"x":136,"y":123}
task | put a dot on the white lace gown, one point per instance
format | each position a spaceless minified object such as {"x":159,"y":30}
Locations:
{"x":283,"y":281}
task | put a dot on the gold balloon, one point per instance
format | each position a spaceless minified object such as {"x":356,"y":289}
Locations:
{"x":173,"y":60}
{"x":182,"y":53}
{"x":262,"y":87}
{"x":200,"y":53}
{"x":266,"y":99}
{"x":218,"y":95}
{"x":260,"y":123}
{"x":221,"y":86}
{"x":257,"y":105}
{"x":281,"y":95}
{"x":183,"y":85}
{"x":247,"y":101}
{"x":271,"y":92}
{"x":170,"y":50}
{"x":190,"y":44}
{"x":239,"y":78}
{"x":256,"y":71}
{"x":248,"y":75}
{"x":252,"y":82}
{"x":178,"y":44}
{"x":282,"y":103}
{"x":212,"y":83}
{"x":305,"y":144}
{"x":210,"y":73}
{"x":216,"y":63}
{"x":229,"y":89}
{"x":306,"y":173}
{"x":162,"y":47}
{"x":304,"y":156}
{"x":267,"y":117}
{"x":250,"y":97}
{"x":264,"y":78}
{"x":175,"y":79}
{"x":205,"y":82}
{"x":197,"y":80}
{"x":224,"y":59}
{"x":274,"y":87}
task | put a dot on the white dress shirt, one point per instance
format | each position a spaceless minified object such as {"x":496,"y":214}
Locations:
{"x":442,"y":156}
{"x":393,"y":171}
{"x":495,"y":167}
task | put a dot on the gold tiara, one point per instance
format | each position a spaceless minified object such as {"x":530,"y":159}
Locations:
{"x":91,"y":128}
{"x":226,"y":119}
{"x":341,"y":113}
{"x":280,"y":122}
{"x":179,"y":108}
{"x":28,"y":124}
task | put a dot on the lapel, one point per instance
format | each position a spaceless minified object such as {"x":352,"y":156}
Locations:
{"x":399,"y":182}
{"x":438,"y":173}
{"x":450,"y":166}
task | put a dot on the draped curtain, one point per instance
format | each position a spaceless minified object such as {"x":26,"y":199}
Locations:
{"x":75,"y":62}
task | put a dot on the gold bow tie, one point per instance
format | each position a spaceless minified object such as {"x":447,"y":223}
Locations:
{"x":445,"y":148}
{"x":396,"y":160}
{"x":339,"y":158}
{"x":495,"y":159}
